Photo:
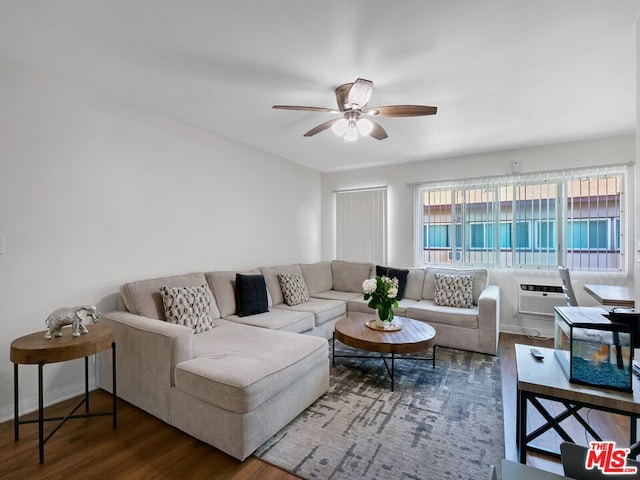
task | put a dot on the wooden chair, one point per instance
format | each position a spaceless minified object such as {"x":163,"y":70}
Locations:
{"x":569,"y":294}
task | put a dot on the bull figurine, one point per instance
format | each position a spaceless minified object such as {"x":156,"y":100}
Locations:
{"x":73,"y":316}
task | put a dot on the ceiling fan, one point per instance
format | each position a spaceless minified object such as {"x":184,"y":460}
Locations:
{"x":352,"y":101}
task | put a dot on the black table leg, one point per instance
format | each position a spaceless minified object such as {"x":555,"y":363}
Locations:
{"x":40,"y":413}
{"x":16,"y":423}
{"x":86,"y":384}
{"x":393,"y":357}
{"x":517,"y":418}
{"x":333,"y":350}
{"x":522,"y":426}
{"x":113,"y":366}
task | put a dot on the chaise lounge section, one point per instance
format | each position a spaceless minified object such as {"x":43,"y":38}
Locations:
{"x":232,"y":386}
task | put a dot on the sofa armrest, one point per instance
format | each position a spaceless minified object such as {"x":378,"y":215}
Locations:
{"x":147,"y":351}
{"x":489,"y":318}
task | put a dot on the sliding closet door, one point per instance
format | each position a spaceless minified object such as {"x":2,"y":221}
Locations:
{"x":361,"y":225}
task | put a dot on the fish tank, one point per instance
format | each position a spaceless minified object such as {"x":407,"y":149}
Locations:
{"x":592,"y":349}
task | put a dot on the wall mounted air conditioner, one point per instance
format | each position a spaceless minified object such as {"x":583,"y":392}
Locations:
{"x":539,"y":296}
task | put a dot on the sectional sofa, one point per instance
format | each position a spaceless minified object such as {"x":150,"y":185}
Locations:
{"x":239,"y":379}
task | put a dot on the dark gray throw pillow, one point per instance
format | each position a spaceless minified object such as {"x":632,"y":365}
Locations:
{"x":251,"y":295}
{"x":398,"y":273}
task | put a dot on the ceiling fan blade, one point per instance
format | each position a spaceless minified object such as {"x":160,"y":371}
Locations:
{"x":360,"y":92}
{"x":401,"y":111}
{"x":308,"y":109}
{"x":322,"y":127}
{"x":378,"y":132}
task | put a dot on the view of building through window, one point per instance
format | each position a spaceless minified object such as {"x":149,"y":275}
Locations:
{"x":529,"y":221}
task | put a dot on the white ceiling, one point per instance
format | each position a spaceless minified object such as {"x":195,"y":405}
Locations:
{"x":503,"y":73}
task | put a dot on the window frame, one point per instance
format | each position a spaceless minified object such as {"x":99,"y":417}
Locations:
{"x":546,"y":243}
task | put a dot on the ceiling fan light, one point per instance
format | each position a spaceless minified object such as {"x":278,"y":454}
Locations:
{"x":351,"y":135}
{"x":365,"y":126}
{"x":340,"y":127}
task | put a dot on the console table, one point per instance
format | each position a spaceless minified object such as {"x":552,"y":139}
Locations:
{"x":612,"y":295}
{"x":34,"y":349}
{"x":546,"y":379}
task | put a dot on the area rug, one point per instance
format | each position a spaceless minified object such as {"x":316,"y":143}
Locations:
{"x":442,"y":423}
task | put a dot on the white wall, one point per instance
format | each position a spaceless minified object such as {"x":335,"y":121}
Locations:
{"x":95,"y":193}
{"x":587,"y":153}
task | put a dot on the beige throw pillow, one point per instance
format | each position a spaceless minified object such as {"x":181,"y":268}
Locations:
{"x":294,"y":290}
{"x":188,"y":306}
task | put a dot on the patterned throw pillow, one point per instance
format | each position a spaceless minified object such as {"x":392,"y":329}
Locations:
{"x":453,"y":291}
{"x":188,"y":306}
{"x":294,"y":290}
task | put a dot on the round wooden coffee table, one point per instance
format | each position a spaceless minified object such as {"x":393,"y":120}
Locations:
{"x":415,"y":336}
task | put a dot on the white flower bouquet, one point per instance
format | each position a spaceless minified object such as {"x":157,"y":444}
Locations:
{"x":381,"y":293}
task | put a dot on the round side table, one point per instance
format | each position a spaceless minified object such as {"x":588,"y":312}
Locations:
{"x":34,"y":349}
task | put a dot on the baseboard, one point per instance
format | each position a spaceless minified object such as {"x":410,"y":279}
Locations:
{"x":529,"y":332}
{"x":31,"y":404}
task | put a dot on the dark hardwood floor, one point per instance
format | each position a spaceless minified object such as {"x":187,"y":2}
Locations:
{"x":144,"y":447}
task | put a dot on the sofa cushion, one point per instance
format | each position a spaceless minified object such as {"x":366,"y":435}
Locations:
{"x":400,"y":274}
{"x":348,"y":276}
{"x":273,"y":284}
{"x":223,"y":286}
{"x":415,"y":284}
{"x":323,"y":310}
{"x":143,"y":297}
{"x":426,"y":311}
{"x":275,"y":319}
{"x":251,"y":293}
{"x":238,"y":368}
{"x":294,"y":290}
{"x":480,"y":278}
{"x":336,"y":295}
{"x":453,"y":291}
{"x":360,"y":305}
{"x":188,"y":306}
{"x":317,"y":276}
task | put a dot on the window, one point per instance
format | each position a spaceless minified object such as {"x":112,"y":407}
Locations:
{"x":439,"y":236}
{"x":506,"y":240}
{"x":522,"y":235}
{"x":545,"y":234}
{"x":480,"y":236}
{"x":527,"y":221}
{"x":594,"y":213}
{"x":588,"y":235}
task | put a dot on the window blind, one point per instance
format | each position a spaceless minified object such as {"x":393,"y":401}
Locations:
{"x":361,"y":225}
